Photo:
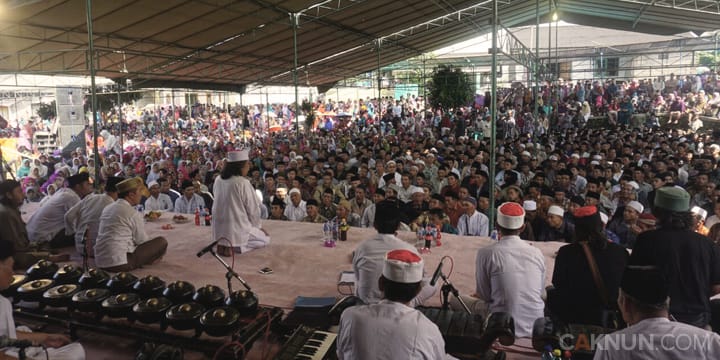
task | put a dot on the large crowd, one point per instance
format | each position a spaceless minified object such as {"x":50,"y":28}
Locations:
{"x":433,"y":166}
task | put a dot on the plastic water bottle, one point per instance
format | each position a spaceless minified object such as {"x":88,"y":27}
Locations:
{"x":494,"y":235}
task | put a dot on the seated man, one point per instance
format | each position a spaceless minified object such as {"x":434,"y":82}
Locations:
{"x":158,"y":200}
{"x":189,"y":202}
{"x":313,"y":216}
{"x":510,"y":274}
{"x":391,"y":329}
{"x":368,"y":257}
{"x":58,"y":346}
{"x":122,"y":244}
{"x":344,"y":212}
{"x":277,"y":209}
{"x":13,"y":229}
{"x":472,"y":222}
{"x":555,"y":227}
{"x":47,"y":225}
{"x":83,"y":219}
{"x":296,"y":210}
{"x":644,"y":303}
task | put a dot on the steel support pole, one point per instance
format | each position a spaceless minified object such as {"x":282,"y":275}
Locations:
{"x":557,"y":59}
{"x":493,"y":115}
{"x":424,"y":83}
{"x":549,"y":51}
{"x":93,"y":91}
{"x":536,"y":92}
{"x":295,"y":75}
{"x":119,"y":104}
{"x":379,"y":76}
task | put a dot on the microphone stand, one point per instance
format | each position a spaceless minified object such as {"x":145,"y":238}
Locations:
{"x":230,"y":274}
{"x":448,"y":288}
{"x":85,"y":254}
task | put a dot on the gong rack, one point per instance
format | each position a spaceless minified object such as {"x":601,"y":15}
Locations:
{"x":250,"y":329}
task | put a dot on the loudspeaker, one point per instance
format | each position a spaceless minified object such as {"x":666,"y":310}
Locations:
{"x":69,"y":96}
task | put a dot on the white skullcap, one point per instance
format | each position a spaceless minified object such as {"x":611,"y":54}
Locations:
{"x":634,"y":185}
{"x":594,"y":162}
{"x":416,"y":190}
{"x":403,"y":266}
{"x":525,"y":153}
{"x":240,"y":155}
{"x":636,"y":206}
{"x":553,"y":158}
{"x":556,"y":210}
{"x":529,"y":205}
{"x":511,"y":215}
{"x":575,"y":156}
{"x":294,"y":190}
{"x":152,"y":183}
{"x":597,"y":157}
{"x":699,"y":211}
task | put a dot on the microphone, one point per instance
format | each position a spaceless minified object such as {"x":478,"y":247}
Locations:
{"x":437,"y":274}
{"x":8,"y":342}
{"x":207,"y":249}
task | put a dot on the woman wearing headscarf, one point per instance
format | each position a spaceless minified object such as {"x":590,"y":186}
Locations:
{"x":24,"y":169}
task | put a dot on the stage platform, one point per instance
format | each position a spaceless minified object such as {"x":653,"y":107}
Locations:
{"x":301,"y":265}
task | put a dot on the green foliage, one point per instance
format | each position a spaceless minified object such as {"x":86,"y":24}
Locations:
{"x":708,"y":58}
{"x":449,"y":88}
{"x":47,"y":111}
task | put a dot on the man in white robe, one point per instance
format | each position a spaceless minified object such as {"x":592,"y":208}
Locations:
{"x":47,"y":225}
{"x":85,"y":215}
{"x":157,"y":201}
{"x":391,"y":329}
{"x":236,"y":210}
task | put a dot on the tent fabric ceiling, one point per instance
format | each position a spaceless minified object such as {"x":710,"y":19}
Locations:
{"x":242,"y":42}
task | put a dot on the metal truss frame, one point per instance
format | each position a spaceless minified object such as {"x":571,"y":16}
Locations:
{"x":701,"y":6}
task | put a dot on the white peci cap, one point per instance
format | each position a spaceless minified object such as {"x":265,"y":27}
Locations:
{"x":238,"y":155}
{"x":699,"y":212}
{"x":511,"y":215}
{"x":636,"y":206}
{"x":403,"y":266}
{"x":529,"y":205}
{"x":556,"y":210}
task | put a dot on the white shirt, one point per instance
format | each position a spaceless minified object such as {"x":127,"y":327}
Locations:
{"x":185,"y":206}
{"x":85,"y":216}
{"x":162,"y":203}
{"x":659,"y":339}
{"x":475,"y":225}
{"x":49,"y":220}
{"x":236,"y":211}
{"x":405,"y":195}
{"x":388,"y":331}
{"x":510,"y":277}
{"x":368,"y":216}
{"x":122,"y":229}
{"x":368,"y":260}
{"x":296,"y":213}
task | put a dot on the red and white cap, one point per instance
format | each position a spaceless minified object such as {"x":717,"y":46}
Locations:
{"x":403,"y":266}
{"x":511,"y":215}
{"x":238,"y":155}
